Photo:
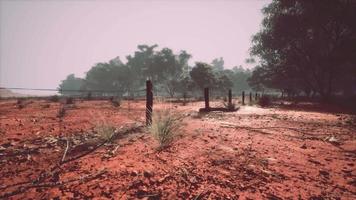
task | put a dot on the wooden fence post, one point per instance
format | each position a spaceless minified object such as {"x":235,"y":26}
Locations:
{"x":149,"y":102}
{"x":243,"y":97}
{"x":230,"y":97}
{"x":256,"y":96}
{"x":250,"y":97}
{"x":206,"y":98}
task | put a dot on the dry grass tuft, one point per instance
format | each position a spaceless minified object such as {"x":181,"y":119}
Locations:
{"x":165,"y":127}
{"x":104,"y":131}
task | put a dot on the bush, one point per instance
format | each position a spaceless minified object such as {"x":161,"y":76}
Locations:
{"x":230,"y":106}
{"x":69,"y":100}
{"x":264,"y":101}
{"x":89,"y":96}
{"x":54,"y":98}
{"x":115,"y":102}
{"x":61,"y":112}
{"x":20,"y":103}
{"x":165,"y":126}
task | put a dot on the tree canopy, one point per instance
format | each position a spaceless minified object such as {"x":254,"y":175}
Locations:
{"x":306,"y":46}
{"x":170,"y":73}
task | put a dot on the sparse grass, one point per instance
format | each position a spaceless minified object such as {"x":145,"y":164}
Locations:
{"x":54,"y":98}
{"x":61,"y":112}
{"x":69,"y":100}
{"x":165,"y":127}
{"x":105,"y":131}
{"x":20,"y":103}
{"x":230,"y":106}
{"x":89,"y":96}
{"x":116,"y":102}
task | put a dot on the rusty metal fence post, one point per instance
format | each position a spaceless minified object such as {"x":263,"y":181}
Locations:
{"x":206,"y":98}
{"x":149,"y":102}
{"x":243,"y":97}
{"x":230,"y":97}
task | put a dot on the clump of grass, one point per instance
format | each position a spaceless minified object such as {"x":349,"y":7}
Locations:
{"x":264,"y":101}
{"x":54,"y":98}
{"x":89,"y":96}
{"x":69,"y":100}
{"x":230,"y":106}
{"x":104,"y":131}
{"x":61,"y":112}
{"x":116,"y":102}
{"x":20,"y":103}
{"x":165,"y":127}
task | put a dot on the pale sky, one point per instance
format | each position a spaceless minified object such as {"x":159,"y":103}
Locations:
{"x":41,"y":42}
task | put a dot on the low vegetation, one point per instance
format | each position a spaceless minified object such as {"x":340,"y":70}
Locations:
{"x":165,"y":127}
{"x":264,"y":101}
{"x":116,"y":102}
{"x":54,"y":98}
{"x":61,"y":112}
{"x":230,"y":106}
{"x":105,"y":131}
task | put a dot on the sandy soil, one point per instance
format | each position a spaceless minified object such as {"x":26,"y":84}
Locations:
{"x":254,"y":153}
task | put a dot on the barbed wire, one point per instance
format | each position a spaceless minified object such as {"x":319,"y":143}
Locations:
{"x":69,"y":90}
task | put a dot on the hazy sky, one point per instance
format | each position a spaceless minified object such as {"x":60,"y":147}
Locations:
{"x":41,"y":42}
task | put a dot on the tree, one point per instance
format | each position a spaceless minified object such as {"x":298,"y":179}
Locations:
{"x":71,"y":85}
{"x":111,"y":78}
{"x":218,"y":64}
{"x":306,"y":45}
{"x":203,"y":76}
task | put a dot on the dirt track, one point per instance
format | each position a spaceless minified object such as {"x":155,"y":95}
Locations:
{"x":254,"y":153}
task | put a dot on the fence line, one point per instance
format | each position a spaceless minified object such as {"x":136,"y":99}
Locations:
{"x":66,"y":90}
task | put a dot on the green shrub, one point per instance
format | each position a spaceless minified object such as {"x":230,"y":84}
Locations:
{"x":264,"y":101}
{"x":165,"y":126}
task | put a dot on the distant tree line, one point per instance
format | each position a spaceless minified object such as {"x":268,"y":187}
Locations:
{"x":170,"y":73}
{"x":307,"y":47}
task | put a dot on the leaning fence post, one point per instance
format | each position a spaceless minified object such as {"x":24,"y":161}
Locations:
{"x":243,"y":97}
{"x":230,"y":97}
{"x":206,"y":98}
{"x":149,"y":102}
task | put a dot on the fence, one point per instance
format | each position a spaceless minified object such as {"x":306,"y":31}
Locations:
{"x":148,"y":97}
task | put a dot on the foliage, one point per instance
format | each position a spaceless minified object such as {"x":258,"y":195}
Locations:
{"x":306,"y":46}
{"x":203,"y":76}
{"x":70,"y":85}
{"x":264,"y":101}
{"x":165,"y":126}
{"x":170,"y":73}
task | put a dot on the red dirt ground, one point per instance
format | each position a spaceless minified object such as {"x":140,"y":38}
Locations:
{"x":254,"y":153}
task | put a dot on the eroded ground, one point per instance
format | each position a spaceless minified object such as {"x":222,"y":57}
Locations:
{"x":254,"y":153}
